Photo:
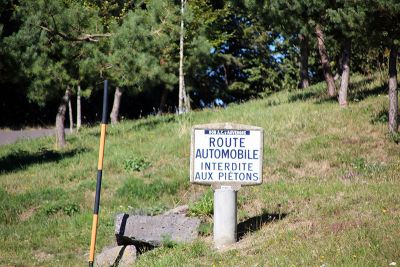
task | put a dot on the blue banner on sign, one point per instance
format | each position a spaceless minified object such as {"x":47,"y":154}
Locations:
{"x":227,"y":132}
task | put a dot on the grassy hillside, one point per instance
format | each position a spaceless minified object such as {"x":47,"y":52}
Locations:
{"x":330,"y":196}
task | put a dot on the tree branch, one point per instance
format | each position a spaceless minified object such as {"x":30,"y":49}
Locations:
{"x":83,"y":38}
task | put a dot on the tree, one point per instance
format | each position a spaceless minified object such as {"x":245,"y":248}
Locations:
{"x":292,"y":23}
{"x":114,"y":115}
{"x":184,"y":103}
{"x":393,"y":95}
{"x":325,"y":62}
{"x":143,"y":50}
{"x":60,"y":118}
{"x":71,"y":119}
{"x":383,"y":18}
{"x":346,"y":21}
{"x":304,"y":54}
{"x":78,"y":108}
{"x":345,"y":77}
{"x":241,"y":64}
{"x":52,"y":33}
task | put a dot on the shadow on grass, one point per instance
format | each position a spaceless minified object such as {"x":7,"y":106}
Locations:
{"x":361,"y":82}
{"x":302,"y":96}
{"x":21,"y":159}
{"x":381,"y":117}
{"x":355,"y":93}
{"x":359,"y":95}
{"x":255,"y":223}
{"x":327,"y":99}
{"x":151,"y":123}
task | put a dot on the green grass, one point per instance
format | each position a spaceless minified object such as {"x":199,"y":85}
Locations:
{"x":332,"y":173}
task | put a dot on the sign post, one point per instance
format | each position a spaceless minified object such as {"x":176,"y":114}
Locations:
{"x":226,"y":156}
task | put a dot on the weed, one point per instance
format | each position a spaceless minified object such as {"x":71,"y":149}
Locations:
{"x":65,"y":207}
{"x":381,"y":117}
{"x":205,"y":228}
{"x":167,"y":241}
{"x":394,"y":137}
{"x":136,"y":164}
{"x":203,"y":207}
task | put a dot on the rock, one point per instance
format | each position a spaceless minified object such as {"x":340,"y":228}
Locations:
{"x":178,"y":210}
{"x":153,"y":231}
{"x":122,"y":256}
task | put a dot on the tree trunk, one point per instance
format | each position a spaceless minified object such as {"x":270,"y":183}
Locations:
{"x":183,"y":99}
{"x":304,"y":52}
{"x":393,"y":101}
{"x":163,"y":101}
{"x":116,"y":104}
{"x":325,"y":61}
{"x":78,"y":109}
{"x":187,"y":102}
{"x":71,"y":119}
{"x":60,"y":118}
{"x":344,"y":82}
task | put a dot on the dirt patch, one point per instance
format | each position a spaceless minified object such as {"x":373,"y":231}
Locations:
{"x":24,"y":216}
{"x":313,"y":168}
{"x":338,"y":227}
{"x":307,"y":225}
{"x":43,"y":256}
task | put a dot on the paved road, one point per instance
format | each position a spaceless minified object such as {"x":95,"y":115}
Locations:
{"x":10,"y":136}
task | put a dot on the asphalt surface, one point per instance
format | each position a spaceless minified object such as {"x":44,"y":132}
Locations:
{"x":11,"y":136}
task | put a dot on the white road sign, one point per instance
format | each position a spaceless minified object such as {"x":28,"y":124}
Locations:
{"x":226,"y":154}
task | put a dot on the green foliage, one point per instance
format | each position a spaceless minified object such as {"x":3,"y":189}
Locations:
{"x":51,"y":34}
{"x":394,"y":137}
{"x":167,"y":241}
{"x":136,"y":164}
{"x":381,"y":117}
{"x":143,"y":47}
{"x":205,"y":229}
{"x":66,"y":207}
{"x":233,"y":51}
{"x":204,"y":206}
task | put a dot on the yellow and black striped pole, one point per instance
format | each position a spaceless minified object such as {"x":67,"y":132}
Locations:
{"x":99,"y":177}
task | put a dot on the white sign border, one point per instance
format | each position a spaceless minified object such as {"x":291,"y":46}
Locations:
{"x":225,"y":126}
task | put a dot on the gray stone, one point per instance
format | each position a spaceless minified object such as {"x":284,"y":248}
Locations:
{"x":122,"y":256}
{"x":153,"y":231}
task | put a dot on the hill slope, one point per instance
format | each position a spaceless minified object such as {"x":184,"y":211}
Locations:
{"x":330,"y":194}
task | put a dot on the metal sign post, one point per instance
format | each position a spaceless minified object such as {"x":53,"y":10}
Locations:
{"x":226,"y":156}
{"x":99,"y":177}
